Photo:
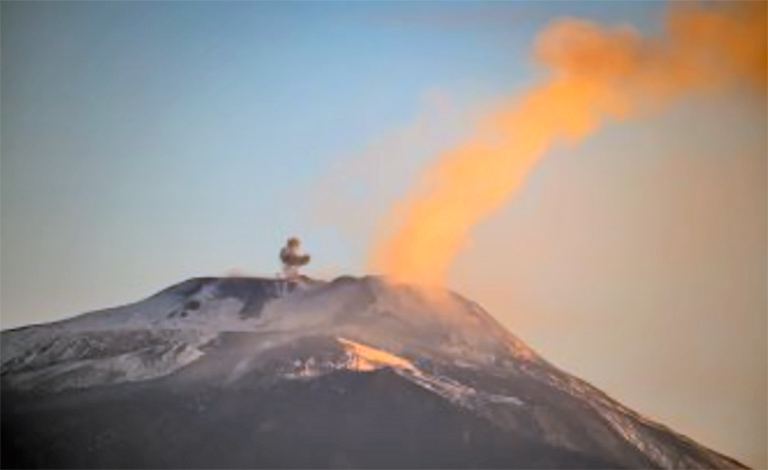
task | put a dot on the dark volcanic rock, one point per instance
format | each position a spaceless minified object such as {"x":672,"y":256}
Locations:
{"x":344,"y":419}
{"x":265,"y":373}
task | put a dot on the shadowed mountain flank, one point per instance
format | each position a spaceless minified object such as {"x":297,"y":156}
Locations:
{"x":267,"y":373}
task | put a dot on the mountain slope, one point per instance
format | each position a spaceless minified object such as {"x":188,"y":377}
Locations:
{"x":247,"y":372}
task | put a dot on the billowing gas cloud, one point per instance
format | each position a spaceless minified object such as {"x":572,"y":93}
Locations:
{"x":593,"y":75}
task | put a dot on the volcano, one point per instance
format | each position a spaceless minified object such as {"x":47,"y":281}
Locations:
{"x":349,"y":373}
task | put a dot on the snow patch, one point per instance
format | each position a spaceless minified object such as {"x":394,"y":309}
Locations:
{"x":367,"y":358}
{"x":504,"y":399}
{"x":61,"y":363}
{"x":356,"y":357}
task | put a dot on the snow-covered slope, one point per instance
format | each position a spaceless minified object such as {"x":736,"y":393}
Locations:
{"x":185,"y":317}
{"x":261,"y":334}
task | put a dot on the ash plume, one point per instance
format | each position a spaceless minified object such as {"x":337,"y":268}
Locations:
{"x":593,"y":75}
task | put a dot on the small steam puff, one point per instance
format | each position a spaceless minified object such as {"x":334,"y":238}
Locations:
{"x":595,"y":74}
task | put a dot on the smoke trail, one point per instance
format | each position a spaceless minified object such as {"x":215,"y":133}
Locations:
{"x":594,"y":74}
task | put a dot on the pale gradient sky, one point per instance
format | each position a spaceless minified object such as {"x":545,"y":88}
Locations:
{"x":146,"y":143}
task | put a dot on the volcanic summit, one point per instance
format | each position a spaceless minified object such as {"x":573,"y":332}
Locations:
{"x":269,"y":373}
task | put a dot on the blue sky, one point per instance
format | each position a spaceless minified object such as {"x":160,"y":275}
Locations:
{"x":144,"y":143}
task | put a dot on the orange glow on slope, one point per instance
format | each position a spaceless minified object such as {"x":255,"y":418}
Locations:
{"x":595,"y":74}
{"x":368,"y":358}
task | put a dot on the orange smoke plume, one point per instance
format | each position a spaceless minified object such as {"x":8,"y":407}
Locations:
{"x":594,"y":74}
